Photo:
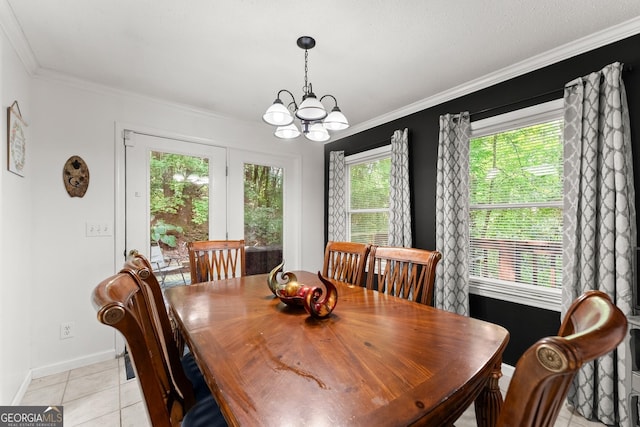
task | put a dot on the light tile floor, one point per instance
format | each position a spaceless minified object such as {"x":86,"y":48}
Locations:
{"x":97,"y":395}
{"x":100,"y":395}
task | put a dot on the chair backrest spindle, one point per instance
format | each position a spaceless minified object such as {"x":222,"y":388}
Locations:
{"x":345,"y":261}
{"x":403,"y":272}
{"x":216,"y":260}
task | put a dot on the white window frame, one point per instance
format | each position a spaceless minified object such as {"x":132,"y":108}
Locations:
{"x":356,"y":159}
{"x":531,"y":295}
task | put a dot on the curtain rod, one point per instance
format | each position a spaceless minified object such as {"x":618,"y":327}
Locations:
{"x":559,"y":93}
{"x":520,"y":101}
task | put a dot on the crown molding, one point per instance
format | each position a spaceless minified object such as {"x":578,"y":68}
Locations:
{"x":14,"y":34}
{"x":64,"y":79}
{"x":566,"y":51}
{"x":16,"y":37}
{"x":18,"y":41}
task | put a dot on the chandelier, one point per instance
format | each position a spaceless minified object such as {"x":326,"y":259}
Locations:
{"x":315,"y":123}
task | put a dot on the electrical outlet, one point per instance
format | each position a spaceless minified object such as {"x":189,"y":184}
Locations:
{"x":67,"y":330}
{"x":98,"y":228}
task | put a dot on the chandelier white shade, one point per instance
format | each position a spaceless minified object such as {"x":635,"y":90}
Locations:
{"x":317,"y":132}
{"x":336,"y":120}
{"x":315,"y":123}
{"x":311,"y":109}
{"x":278,"y":114}
{"x":287,"y":132}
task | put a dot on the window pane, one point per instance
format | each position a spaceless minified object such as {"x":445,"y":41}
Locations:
{"x":262,"y":205}
{"x":369,"y":200}
{"x":370,"y":184}
{"x":518,"y":245}
{"x":370,"y":227}
{"x":517,"y":224}
{"x":179,"y":201}
{"x":516,"y":199}
{"x":263,"y":216}
{"x":518,"y":166}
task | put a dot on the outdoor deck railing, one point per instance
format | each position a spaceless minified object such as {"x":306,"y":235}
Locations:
{"x":523,"y":261}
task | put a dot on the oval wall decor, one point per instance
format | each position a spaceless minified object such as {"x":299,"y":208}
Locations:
{"x":76,"y":176}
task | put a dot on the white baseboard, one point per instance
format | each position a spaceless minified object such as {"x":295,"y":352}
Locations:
{"x":56,"y":368}
{"x":67,"y":365}
{"x":22,"y":390}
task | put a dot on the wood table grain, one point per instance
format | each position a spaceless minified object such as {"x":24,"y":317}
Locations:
{"x":377,"y":360}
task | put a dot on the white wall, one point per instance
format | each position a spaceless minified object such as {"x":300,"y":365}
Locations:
{"x":17,"y":260}
{"x":74,"y":119}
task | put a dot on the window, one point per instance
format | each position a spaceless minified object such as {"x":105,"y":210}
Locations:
{"x":368,"y":196}
{"x":263,"y":211}
{"x":516,"y":206}
{"x":263,"y":216}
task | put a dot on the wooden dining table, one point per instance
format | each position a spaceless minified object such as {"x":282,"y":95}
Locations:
{"x":376,"y":360}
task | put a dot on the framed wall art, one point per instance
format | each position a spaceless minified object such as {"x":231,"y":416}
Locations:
{"x":75,"y":175}
{"x":16,"y":139}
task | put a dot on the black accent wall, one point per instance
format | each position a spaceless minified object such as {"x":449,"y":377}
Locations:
{"x":525,"y":324}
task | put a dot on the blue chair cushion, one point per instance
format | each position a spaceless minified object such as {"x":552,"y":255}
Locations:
{"x":205,"y":413}
{"x":192,"y":371}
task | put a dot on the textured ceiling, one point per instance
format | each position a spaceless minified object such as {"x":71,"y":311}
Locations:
{"x":231,"y":56}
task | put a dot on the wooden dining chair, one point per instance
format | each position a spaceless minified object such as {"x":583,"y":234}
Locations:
{"x":164,"y":266}
{"x":592,"y":327}
{"x":140,"y":266}
{"x":345,"y":261}
{"x":216,"y":259}
{"x":403,"y":272}
{"x":125,"y":302}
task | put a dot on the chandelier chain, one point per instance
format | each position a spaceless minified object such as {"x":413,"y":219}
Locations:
{"x":305,"y":88}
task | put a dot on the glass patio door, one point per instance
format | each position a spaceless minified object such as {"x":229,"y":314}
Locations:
{"x":175,"y":193}
{"x":264,"y":193}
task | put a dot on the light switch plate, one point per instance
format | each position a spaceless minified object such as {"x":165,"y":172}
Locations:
{"x":98,"y":228}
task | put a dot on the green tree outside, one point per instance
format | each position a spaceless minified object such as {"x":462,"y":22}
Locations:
{"x":516,"y":195}
{"x":263,"y":205}
{"x":179,"y":198}
{"x":179,"y":201}
{"x":369,"y":192}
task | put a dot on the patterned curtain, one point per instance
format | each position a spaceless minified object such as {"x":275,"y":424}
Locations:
{"x":399,"y":197}
{"x":599,"y":231}
{"x":452,"y":214}
{"x":337,"y":197}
